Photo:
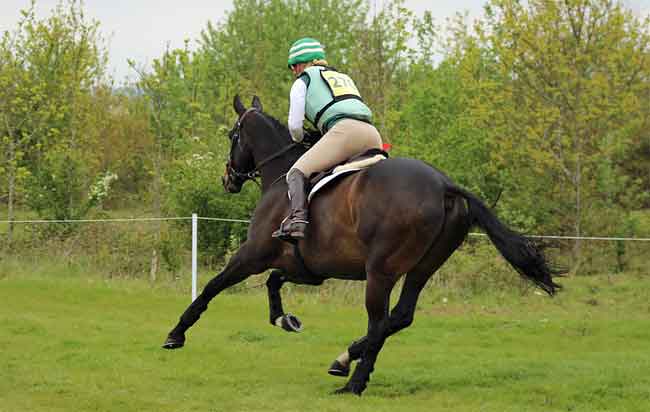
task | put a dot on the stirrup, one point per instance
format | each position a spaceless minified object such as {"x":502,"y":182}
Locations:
{"x":288,"y":235}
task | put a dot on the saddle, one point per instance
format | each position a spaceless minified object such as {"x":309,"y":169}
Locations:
{"x":352,"y":165}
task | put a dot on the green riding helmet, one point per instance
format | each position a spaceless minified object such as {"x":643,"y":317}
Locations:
{"x":305,"y":50}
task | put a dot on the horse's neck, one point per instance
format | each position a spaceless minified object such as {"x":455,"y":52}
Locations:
{"x":277,"y":168}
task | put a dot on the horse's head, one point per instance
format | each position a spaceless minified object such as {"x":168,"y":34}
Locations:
{"x":259,"y":146}
{"x":241,"y":163}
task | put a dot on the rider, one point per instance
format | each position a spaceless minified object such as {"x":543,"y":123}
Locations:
{"x":332,"y":103}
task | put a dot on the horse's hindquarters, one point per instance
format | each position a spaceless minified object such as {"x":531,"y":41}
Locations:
{"x":388,"y":215}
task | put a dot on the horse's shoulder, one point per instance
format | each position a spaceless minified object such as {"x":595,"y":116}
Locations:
{"x":272,"y":196}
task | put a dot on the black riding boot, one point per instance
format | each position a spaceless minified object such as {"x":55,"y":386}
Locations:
{"x":293,"y":226}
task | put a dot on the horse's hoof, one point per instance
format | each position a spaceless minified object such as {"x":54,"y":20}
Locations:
{"x":173,"y":343}
{"x":357,"y":388}
{"x":338,"y":369}
{"x":290,"y":323}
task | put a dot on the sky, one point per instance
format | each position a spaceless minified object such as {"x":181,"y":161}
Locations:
{"x":141,"y":29}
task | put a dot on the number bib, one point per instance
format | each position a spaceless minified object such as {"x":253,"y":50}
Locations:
{"x":340,"y":84}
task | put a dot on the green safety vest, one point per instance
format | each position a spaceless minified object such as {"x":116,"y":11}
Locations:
{"x":332,"y":96}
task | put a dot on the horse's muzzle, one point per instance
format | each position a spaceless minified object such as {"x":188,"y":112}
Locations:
{"x":229,"y":185}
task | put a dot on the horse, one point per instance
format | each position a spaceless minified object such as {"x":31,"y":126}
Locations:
{"x":398,"y":218}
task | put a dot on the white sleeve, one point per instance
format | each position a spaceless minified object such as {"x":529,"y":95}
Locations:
{"x":297,"y":109}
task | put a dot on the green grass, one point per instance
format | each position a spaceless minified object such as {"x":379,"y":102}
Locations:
{"x":75,"y":342}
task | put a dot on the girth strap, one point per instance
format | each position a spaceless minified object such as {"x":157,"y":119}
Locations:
{"x":301,"y":262}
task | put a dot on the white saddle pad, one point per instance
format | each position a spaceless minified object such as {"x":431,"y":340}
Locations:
{"x":324,"y":181}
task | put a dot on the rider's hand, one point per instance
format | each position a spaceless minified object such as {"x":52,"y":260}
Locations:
{"x":311,"y":137}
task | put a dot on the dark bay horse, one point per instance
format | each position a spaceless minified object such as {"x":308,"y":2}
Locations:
{"x":400,"y":217}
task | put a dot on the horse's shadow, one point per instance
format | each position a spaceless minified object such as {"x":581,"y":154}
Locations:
{"x":383,"y":387}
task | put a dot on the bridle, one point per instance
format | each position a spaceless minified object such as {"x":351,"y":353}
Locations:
{"x":256,"y":172}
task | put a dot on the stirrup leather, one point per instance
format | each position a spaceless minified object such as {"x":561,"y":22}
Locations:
{"x":293,"y":226}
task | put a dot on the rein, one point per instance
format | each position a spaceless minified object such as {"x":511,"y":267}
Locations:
{"x":255,"y":173}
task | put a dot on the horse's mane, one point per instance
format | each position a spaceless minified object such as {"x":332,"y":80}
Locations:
{"x":281,"y":128}
{"x":283,"y":138}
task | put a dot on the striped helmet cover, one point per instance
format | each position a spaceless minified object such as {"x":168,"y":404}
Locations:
{"x":305,"y":50}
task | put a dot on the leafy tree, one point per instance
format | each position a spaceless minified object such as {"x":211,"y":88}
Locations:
{"x":437,"y":127}
{"x":247,"y":52}
{"x":18,"y":96}
{"x":573,"y":76}
{"x":124,"y":143}
{"x":48,"y":71}
{"x":378,"y":61}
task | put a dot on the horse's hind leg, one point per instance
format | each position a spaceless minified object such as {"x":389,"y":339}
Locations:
{"x":453,"y":233}
{"x":400,"y":318}
{"x":286,"y":321}
{"x":378,"y":290}
{"x":242,"y":265}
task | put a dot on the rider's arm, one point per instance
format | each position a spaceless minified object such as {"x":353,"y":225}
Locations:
{"x":297,"y":109}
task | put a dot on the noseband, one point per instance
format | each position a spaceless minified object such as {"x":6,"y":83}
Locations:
{"x":255,"y":173}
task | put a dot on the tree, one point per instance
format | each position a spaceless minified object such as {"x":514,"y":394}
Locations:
{"x":48,"y":71}
{"x":378,"y":62}
{"x":247,"y":52}
{"x":18,"y":95}
{"x":51,"y":69}
{"x":170,"y":93}
{"x":573,"y":76}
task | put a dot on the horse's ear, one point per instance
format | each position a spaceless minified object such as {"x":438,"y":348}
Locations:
{"x":238,"y":105}
{"x":257,"y":103}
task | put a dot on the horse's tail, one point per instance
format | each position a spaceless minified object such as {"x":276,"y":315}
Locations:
{"x":524,"y":255}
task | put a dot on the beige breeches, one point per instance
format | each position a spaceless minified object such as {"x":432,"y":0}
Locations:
{"x":347,"y":138}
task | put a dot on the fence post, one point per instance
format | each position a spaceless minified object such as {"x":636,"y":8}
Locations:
{"x":195,"y":225}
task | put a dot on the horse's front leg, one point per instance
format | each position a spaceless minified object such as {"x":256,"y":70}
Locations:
{"x":286,"y":321}
{"x":242,"y":265}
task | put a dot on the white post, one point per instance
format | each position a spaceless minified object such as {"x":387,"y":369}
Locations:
{"x":195,"y":242}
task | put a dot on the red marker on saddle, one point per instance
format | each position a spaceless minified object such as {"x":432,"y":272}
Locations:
{"x":386,"y":147}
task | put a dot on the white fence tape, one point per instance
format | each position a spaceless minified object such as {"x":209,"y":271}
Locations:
{"x":195,"y":218}
{"x":219,"y":219}
{"x":135,"y":219}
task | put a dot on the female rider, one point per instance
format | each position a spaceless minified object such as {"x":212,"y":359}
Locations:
{"x":332,"y":103}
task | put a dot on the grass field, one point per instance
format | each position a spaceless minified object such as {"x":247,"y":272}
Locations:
{"x":78,"y":343}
